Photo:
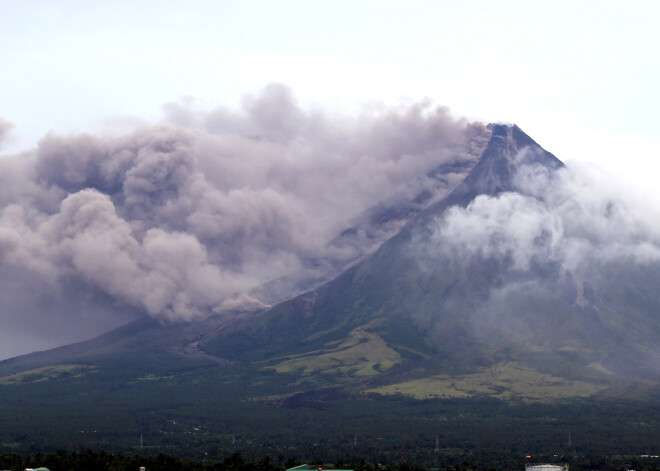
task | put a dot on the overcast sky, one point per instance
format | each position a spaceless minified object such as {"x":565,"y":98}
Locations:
{"x":580,"y":77}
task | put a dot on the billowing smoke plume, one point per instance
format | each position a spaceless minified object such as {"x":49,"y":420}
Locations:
{"x":186,"y":218}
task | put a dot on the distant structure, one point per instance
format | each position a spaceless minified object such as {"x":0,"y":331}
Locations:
{"x":316,"y":467}
{"x":546,"y":467}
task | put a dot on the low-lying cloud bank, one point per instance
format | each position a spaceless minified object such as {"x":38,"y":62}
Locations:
{"x":570,"y":259}
{"x":183,"y":219}
{"x":572,"y":217}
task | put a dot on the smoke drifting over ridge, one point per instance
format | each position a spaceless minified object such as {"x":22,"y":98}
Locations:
{"x":181,"y":220}
{"x":568,"y":258}
{"x":573,"y":217}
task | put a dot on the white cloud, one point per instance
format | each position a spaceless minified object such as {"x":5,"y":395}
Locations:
{"x":574,"y":217}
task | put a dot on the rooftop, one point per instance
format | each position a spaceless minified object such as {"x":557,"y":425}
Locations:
{"x":316,"y":467}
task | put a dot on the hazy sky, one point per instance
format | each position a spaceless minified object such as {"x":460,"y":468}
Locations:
{"x":580,"y":77}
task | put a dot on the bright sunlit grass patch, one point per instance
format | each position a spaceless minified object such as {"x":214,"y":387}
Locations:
{"x":508,"y":380}
{"x":48,"y":373}
{"x":362,"y":353}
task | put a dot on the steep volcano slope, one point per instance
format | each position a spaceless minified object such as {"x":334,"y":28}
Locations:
{"x":417,"y":302}
{"x":369,"y":229}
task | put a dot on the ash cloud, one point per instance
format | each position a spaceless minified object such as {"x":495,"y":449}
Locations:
{"x":184,"y":219}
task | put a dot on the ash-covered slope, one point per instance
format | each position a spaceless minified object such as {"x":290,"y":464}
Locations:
{"x":508,"y":149}
{"x":369,"y":229}
{"x":438,"y":293}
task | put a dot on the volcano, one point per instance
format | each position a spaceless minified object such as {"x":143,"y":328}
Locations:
{"x":463,"y":313}
{"x":479,"y":295}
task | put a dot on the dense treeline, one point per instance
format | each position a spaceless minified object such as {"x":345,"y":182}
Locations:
{"x":89,"y":460}
{"x":211,"y":417}
{"x":102,"y":461}
{"x":383,"y":430}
